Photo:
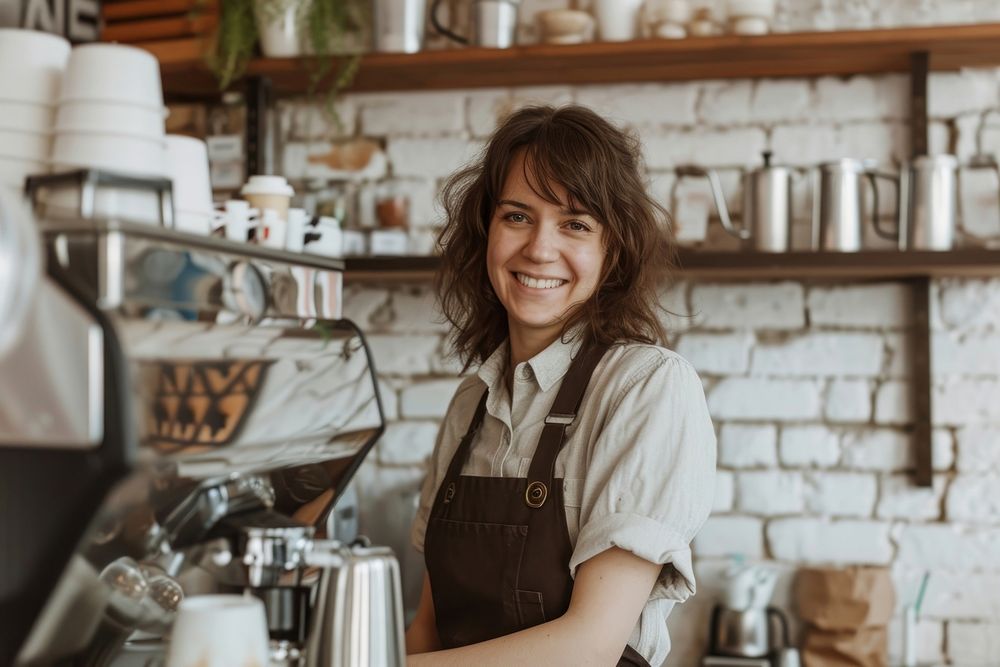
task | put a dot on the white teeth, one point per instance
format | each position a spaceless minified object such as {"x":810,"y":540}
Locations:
{"x":527,"y":281}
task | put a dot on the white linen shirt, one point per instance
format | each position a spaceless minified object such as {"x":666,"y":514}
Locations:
{"x":638,"y":464}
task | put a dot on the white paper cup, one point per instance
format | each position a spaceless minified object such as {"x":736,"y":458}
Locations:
{"x":25,"y":145}
{"x":31,"y":65}
{"x":269,"y":193}
{"x":111,"y":118}
{"x":219,"y":631}
{"x":13,"y":171}
{"x":120,"y":153}
{"x":27,"y":117}
{"x":113,"y":73}
{"x":187,"y":167}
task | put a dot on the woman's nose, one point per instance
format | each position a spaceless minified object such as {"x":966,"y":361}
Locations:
{"x":542,"y":245}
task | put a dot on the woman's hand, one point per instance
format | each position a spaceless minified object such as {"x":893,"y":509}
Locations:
{"x":609,"y":594}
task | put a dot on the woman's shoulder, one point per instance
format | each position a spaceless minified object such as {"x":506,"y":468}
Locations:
{"x":637,"y":360}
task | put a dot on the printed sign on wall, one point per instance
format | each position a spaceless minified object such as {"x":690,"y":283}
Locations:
{"x":76,"y":20}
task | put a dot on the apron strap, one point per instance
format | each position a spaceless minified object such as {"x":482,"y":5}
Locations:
{"x":447,"y":488}
{"x":563,"y":413}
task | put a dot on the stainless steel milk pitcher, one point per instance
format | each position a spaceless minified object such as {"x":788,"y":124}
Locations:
{"x":494,"y":23}
{"x":838,"y":219}
{"x":358,"y":617}
{"x":927,"y":212}
{"x":767,"y":204}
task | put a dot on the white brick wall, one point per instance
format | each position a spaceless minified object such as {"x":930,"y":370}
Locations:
{"x":808,"y":383}
{"x":748,"y":446}
{"x":820,"y":541}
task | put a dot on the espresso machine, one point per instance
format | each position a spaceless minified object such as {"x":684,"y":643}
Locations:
{"x":179,"y":415}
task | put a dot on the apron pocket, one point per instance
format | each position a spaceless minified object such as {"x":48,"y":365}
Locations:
{"x":530,"y":608}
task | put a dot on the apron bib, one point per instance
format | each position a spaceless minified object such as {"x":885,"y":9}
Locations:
{"x":498,"y":548}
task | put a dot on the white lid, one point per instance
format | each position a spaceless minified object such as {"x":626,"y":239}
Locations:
{"x":267,"y":185}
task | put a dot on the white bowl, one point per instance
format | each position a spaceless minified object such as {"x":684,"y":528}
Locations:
{"x":27,"y":117}
{"x":13,"y":171}
{"x":750,"y":8}
{"x":25,"y":145}
{"x":112,"y":152}
{"x":187,"y":167}
{"x":113,"y":73}
{"x":109,"y":117}
{"x":31,"y":65}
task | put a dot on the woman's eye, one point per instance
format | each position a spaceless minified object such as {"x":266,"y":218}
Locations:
{"x":516,"y":217}
{"x":578,"y":226}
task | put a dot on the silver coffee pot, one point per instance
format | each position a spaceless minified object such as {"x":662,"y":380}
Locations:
{"x":493,"y":23}
{"x":767,"y":204}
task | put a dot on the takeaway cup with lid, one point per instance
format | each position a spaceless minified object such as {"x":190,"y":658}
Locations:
{"x":269,"y":193}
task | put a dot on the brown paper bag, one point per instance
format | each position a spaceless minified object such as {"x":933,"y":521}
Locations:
{"x":845,"y":598}
{"x":866,"y":647}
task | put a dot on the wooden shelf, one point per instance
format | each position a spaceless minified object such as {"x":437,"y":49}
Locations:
{"x":868,"y":265}
{"x":779,"y":55}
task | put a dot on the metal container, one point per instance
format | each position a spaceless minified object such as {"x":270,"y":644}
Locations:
{"x":358,"y":617}
{"x":927,"y":213}
{"x":494,"y":23}
{"x":838,"y":221}
{"x":767,"y":205}
{"x":399,"y":25}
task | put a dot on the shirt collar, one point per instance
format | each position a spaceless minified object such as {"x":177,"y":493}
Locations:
{"x":548,"y":366}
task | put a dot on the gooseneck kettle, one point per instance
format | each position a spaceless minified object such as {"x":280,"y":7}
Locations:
{"x":767,"y":204}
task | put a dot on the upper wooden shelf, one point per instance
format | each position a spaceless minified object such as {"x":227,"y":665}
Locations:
{"x":693,"y":264}
{"x":779,"y":55}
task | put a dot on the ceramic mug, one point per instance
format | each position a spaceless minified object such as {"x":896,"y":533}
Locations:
{"x":617,"y":20}
{"x":218,"y":631}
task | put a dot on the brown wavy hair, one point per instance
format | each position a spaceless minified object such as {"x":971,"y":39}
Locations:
{"x":600,"y":168}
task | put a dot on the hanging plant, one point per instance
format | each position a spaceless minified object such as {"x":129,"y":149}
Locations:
{"x":330,"y":31}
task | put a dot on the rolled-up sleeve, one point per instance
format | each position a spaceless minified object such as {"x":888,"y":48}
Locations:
{"x":651,"y":474}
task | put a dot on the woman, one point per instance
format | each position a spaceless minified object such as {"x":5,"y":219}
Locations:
{"x":573,"y":469}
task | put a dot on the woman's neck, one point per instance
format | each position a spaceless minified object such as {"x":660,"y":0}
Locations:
{"x":526,"y":344}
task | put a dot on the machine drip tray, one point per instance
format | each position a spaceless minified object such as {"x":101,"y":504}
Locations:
{"x":728,"y":661}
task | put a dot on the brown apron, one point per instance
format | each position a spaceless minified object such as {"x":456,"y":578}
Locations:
{"x":498,"y":548}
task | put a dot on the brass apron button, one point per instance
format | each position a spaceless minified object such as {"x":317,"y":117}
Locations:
{"x":536,"y":494}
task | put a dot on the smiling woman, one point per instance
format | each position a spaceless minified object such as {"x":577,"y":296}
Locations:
{"x":574,"y":468}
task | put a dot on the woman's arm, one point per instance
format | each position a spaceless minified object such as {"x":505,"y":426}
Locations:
{"x":422,"y":636}
{"x":609,"y":594}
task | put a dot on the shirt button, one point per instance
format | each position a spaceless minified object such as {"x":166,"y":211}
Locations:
{"x":526,"y":373}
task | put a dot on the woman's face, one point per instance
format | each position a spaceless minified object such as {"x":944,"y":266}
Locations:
{"x":544,"y":260}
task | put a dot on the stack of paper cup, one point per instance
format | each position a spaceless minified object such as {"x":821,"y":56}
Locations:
{"x":110,"y":117}
{"x":187,"y":164}
{"x":110,"y":112}
{"x":31,"y":73}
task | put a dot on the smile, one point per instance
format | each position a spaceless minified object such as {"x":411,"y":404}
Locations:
{"x":534,"y":283}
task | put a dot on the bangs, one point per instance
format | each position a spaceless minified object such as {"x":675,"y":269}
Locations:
{"x":555,"y":154}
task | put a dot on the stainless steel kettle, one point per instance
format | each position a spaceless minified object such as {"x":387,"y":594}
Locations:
{"x":767,"y":204}
{"x":748,"y":633}
{"x":358,"y":617}
{"x":494,"y":23}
